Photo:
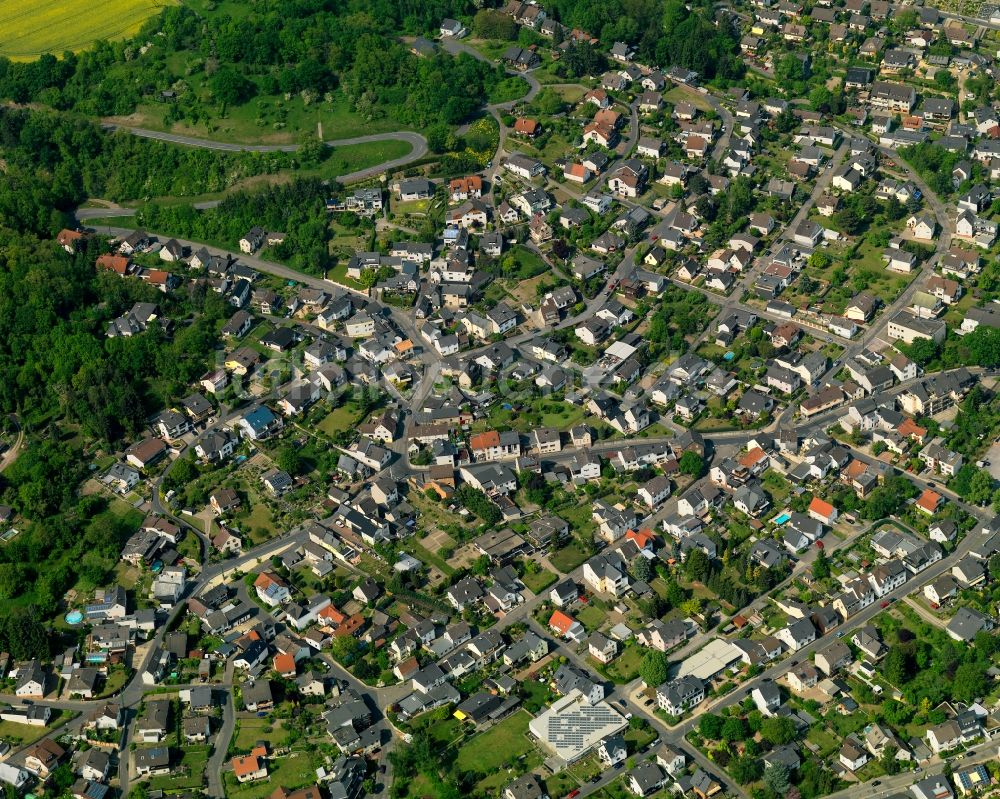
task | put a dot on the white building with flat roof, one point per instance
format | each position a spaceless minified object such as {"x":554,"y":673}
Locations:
{"x":571,"y":727}
{"x":711,"y":660}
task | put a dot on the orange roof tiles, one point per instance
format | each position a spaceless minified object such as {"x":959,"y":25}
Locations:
{"x":528,"y":127}
{"x":855,"y":469}
{"x":244,"y":766}
{"x":908,"y":427}
{"x":350,"y":626}
{"x":330,"y":613}
{"x":643,"y":538}
{"x":821,"y":507}
{"x":284,"y":663}
{"x":157,"y":277}
{"x":753,"y":457}
{"x":472,"y":183}
{"x":67,"y":236}
{"x":480,"y":441}
{"x":113,"y":263}
{"x":929,"y":500}
{"x":266,"y":579}
{"x":561,"y":622}
{"x":607,"y":116}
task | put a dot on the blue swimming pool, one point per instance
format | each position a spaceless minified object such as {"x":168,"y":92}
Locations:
{"x":74,"y":617}
{"x":782,"y":518}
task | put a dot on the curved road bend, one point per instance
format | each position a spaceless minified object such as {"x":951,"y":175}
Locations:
{"x":15,"y":449}
{"x":452,"y":46}
{"x":417,"y":142}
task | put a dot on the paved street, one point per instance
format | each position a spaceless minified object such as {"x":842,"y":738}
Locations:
{"x":430,"y":365}
{"x":416,"y":141}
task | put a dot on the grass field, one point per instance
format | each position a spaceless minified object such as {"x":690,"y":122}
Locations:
{"x":499,"y":746}
{"x":267,"y":119}
{"x":353,"y":157}
{"x":538,"y":581}
{"x":29,"y":28}
{"x":569,"y":557}
{"x":23,"y":734}
{"x":625,"y":667}
{"x":187,"y":774}
{"x":252,"y":730}
{"x":292,"y":772}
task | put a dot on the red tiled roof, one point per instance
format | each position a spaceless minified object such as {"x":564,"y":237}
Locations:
{"x":929,"y":500}
{"x":821,"y":507}
{"x":491,"y":438}
{"x":242,"y":766}
{"x":527,"y":126}
{"x":284,"y":663}
{"x":113,"y":263}
{"x":561,"y":622}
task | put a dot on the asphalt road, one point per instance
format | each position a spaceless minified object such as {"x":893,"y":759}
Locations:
{"x":454,"y":46}
{"x":15,"y":449}
{"x":220,"y":746}
{"x":416,"y":141}
{"x":133,"y":692}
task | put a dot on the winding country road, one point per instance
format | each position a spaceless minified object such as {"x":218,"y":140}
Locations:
{"x":15,"y":449}
{"x":417,"y":142}
{"x":455,"y":47}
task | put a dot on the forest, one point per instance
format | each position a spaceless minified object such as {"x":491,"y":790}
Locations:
{"x":55,"y":161}
{"x":56,"y":361}
{"x":86,"y":161}
{"x":664,"y":32}
{"x":72,"y":388}
{"x":309,"y":46}
{"x":298,"y":209}
{"x":315,"y":47}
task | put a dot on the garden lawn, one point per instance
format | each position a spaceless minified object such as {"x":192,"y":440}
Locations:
{"x":117,"y":678}
{"x":339,"y":419}
{"x":591,"y":617}
{"x":442,"y":727}
{"x":569,"y":557}
{"x":339,"y":275}
{"x":421,"y":552}
{"x":826,"y":742}
{"x":294,"y":771}
{"x":259,"y":521}
{"x":189,"y":773}
{"x":580,"y":520}
{"x":252,"y":730}
{"x":529,"y":263}
{"x":640,"y":738}
{"x":625,"y":667}
{"x":24,"y":734}
{"x":504,"y":743}
{"x":538,"y":581}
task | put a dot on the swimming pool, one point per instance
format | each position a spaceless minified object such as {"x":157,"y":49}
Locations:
{"x":74,"y":617}
{"x":782,"y":518}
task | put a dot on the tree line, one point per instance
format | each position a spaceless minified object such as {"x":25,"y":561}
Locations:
{"x":309,"y":46}
{"x":297,"y":209}
{"x":86,"y":161}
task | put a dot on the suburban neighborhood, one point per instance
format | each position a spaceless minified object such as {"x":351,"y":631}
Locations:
{"x":659,"y":455}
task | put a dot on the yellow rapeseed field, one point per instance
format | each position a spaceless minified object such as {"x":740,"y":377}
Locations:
{"x":29,"y":28}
